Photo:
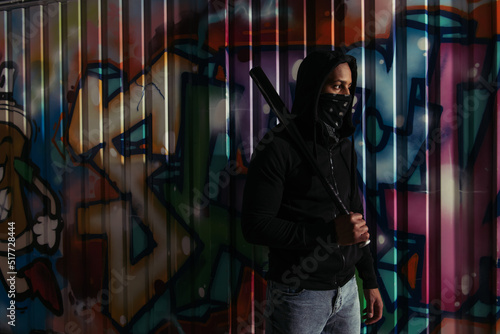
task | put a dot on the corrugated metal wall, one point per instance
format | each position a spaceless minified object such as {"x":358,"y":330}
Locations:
{"x":126,"y":128}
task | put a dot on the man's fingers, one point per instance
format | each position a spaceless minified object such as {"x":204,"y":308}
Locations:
{"x":356,"y":216}
{"x":363,"y":229}
{"x":371,"y":318}
{"x":365,"y":236}
{"x":373,"y":313}
{"x":361,"y":234}
{"x":368,"y":313}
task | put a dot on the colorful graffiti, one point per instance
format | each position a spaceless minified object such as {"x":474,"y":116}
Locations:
{"x":126,"y":128}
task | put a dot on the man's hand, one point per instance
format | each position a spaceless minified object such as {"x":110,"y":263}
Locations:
{"x":374,"y":306}
{"x":351,"y":229}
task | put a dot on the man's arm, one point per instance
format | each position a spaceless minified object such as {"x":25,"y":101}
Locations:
{"x":374,"y":306}
{"x":262,"y":198}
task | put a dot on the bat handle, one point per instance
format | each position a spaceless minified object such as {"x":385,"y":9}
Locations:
{"x":363,"y":244}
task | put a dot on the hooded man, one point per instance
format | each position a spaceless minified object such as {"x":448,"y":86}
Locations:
{"x":313,"y":248}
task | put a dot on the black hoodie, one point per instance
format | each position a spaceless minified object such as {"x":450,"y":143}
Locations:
{"x":285,"y":205}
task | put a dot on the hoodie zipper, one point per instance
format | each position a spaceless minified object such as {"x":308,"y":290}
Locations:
{"x":332,"y":171}
{"x":335,"y":189}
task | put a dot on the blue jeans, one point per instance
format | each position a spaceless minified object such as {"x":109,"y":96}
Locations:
{"x":312,"y":311}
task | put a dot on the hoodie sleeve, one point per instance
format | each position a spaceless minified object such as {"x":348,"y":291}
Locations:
{"x":366,"y":270}
{"x":262,"y":200}
{"x":364,"y":266}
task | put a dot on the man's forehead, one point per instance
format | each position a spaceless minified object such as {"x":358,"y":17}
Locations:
{"x":340,"y":73}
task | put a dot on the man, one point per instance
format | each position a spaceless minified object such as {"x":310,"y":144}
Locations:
{"x":313,"y":248}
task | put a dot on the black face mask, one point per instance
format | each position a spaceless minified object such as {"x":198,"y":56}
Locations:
{"x":332,"y":108}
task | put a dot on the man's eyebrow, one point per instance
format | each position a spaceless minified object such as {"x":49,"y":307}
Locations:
{"x":338,"y":80}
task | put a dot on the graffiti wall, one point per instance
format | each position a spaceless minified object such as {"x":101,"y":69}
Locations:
{"x":126,"y":129}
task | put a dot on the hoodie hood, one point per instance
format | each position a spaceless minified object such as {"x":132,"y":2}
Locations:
{"x":312,"y":74}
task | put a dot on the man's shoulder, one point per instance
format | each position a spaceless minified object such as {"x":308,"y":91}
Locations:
{"x":274,"y":146}
{"x":277,"y":136}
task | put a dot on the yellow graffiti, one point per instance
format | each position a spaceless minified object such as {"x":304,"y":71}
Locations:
{"x":92,"y":126}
